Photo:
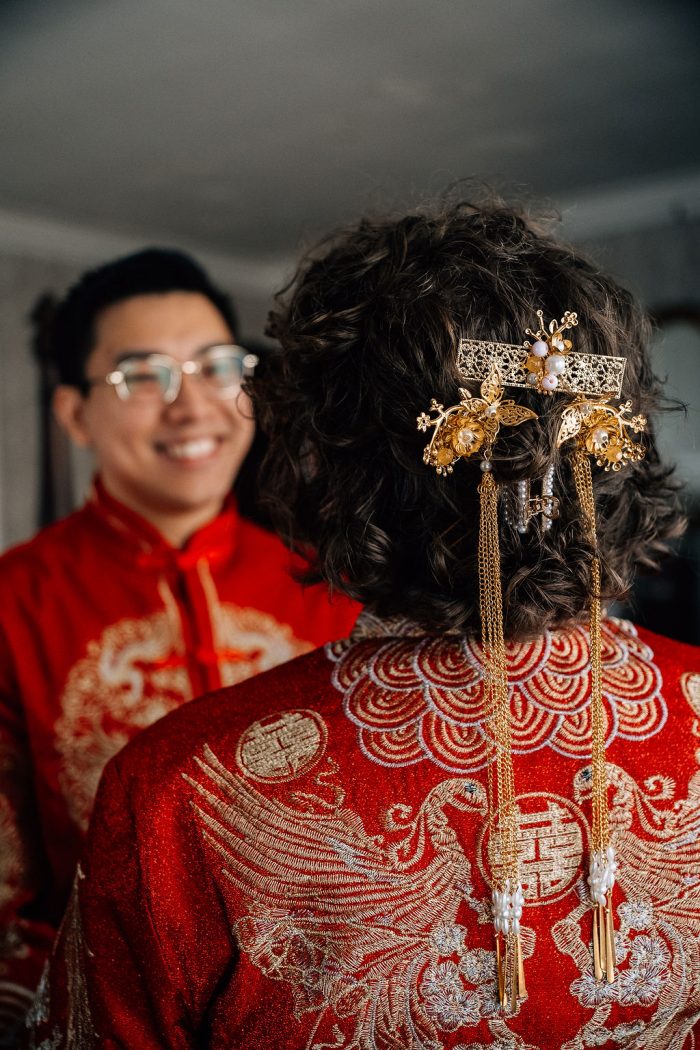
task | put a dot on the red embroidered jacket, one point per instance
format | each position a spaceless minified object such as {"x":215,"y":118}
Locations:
{"x":104,"y":628}
{"x":302,"y":861}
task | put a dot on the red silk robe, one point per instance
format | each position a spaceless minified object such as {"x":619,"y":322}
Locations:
{"x":104,"y":628}
{"x":302,"y":862}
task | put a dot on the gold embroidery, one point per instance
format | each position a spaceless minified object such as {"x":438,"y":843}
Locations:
{"x":551,"y":835}
{"x":658,"y":944}
{"x":361,"y":927}
{"x":364,"y":928}
{"x":135,"y":674}
{"x":80,"y":1033}
{"x":422,"y":698}
{"x":126,"y":682}
{"x":282,"y":746}
{"x":690,"y":684}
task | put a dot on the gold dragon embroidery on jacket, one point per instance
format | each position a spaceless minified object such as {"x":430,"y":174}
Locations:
{"x":136,"y":673}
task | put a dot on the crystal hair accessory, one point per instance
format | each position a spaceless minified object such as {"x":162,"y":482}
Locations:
{"x":545,"y":364}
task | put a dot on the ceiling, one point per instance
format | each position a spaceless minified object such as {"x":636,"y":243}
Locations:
{"x":246,"y":126}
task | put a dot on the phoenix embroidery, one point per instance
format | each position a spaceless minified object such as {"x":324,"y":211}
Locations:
{"x":657,"y":840}
{"x":363,"y":928}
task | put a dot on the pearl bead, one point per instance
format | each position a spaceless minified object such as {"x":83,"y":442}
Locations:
{"x":555,"y":364}
{"x":539,"y":348}
{"x":466,"y":437}
{"x":550,"y":382}
{"x":486,"y":466}
{"x":600,"y":436}
{"x":532,"y":378}
{"x":492,"y":410}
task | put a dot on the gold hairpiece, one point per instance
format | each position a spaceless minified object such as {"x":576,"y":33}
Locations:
{"x":547,"y":364}
{"x":599,"y":431}
{"x":603,"y":431}
{"x":462,"y":431}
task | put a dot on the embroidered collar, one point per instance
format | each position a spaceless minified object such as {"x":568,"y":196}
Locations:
{"x":132,"y":538}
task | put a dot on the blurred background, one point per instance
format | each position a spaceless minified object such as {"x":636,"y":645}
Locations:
{"x":239,"y":130}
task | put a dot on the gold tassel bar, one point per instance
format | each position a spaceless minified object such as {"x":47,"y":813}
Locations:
{"x":522,"y":990}
{"x":513,"y":975}
{"x":501,"y":974}
{"x":610,"y":960}
{"x":603,"y":934}
{"x":597,"y":968}
{"x":602,"y":938}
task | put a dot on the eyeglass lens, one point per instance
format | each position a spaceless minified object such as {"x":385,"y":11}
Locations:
{"x":220,"y":368}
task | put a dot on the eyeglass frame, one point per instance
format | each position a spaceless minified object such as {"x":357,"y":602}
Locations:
{"x":117,"y":379}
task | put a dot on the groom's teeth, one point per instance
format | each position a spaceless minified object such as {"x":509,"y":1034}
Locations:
{"x":192,"y":449}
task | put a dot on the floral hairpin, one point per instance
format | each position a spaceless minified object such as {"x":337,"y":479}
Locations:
{"x":462,"y":431}
{"x":599,"y":431}
{"x":465,"y":429}
{"x":603,"y":431}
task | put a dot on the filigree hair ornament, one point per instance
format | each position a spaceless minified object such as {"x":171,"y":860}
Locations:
{"x":462,"y":431}
{"x":544,"y":363}
{"x":600,"y":431}
{"x":465,"y":429}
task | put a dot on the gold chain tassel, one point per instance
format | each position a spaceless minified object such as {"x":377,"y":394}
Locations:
{"x":603,"y":866}
{"x":507,"y":893}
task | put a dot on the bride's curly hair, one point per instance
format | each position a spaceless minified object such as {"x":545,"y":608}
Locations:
{"x":368,"y":329}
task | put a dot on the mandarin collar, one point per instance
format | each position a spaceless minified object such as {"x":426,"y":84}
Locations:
{"x":136,"y":540}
